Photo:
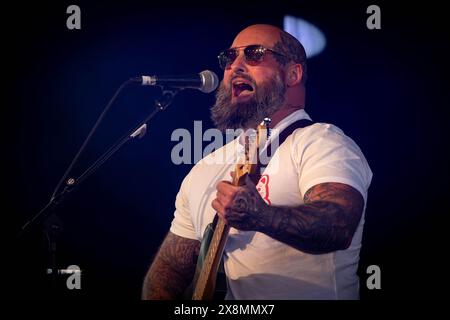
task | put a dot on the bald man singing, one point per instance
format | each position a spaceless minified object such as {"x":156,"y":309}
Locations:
{"x":296,"y":232}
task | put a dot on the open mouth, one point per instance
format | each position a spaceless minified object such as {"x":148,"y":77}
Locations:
{"x":241,"y":87}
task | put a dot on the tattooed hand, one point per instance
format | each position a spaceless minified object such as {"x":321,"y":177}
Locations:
{"x":241,"y":206}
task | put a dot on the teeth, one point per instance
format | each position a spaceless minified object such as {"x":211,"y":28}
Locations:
{"x":242,"y":86}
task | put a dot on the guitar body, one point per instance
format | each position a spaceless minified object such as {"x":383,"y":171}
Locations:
{"x":204,"y":246}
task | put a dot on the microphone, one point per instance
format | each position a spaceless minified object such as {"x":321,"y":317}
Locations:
{"x":206,"y":81}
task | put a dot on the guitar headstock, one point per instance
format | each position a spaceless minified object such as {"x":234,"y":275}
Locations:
{"x":255,"y":140}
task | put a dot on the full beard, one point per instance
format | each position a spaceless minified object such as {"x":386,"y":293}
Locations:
{"x":268,"y":97}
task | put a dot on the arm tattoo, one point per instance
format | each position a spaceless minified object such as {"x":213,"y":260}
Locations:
{"x":173,"y":268}
{"x":325,"y":222}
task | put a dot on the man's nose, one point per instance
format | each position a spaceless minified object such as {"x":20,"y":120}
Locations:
{"x":239,"y":64}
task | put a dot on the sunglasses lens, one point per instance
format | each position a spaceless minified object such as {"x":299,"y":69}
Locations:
{"x":227,"y":57}
{"x":254,"y":53}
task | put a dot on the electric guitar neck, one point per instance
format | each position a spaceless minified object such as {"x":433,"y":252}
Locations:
{"x":205,"y":281}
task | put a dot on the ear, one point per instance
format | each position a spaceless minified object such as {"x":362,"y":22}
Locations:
{"x":294,"y":74}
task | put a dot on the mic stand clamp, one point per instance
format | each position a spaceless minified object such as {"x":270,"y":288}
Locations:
{"x":167,"y":97}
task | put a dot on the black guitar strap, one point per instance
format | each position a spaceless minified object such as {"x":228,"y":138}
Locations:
{"x":302,"y":123}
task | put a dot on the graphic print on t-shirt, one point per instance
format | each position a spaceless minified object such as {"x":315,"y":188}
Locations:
{"x":263,"y":187}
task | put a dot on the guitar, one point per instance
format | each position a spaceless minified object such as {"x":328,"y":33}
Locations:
{"x":216,"y":234}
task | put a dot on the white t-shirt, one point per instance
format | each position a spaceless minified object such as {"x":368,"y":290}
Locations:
{"x":258,"y":266}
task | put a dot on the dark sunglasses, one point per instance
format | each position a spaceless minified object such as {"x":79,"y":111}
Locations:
{"x":253,"y":54}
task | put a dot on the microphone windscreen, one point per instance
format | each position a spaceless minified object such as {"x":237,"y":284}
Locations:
{"x":210,"y":81}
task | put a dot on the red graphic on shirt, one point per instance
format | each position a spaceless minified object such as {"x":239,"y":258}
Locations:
{"x":263,"y":187}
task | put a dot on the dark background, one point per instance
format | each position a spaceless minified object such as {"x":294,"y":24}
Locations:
{"x":385,"y":88}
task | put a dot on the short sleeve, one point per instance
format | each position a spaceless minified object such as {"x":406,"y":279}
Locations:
{"x":323,"y":153}
{"x":182,"y":222}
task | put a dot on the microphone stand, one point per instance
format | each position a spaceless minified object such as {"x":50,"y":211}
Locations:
{"x":52,"y":226}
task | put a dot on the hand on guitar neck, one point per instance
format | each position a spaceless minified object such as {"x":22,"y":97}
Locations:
{"x":241,"y":206}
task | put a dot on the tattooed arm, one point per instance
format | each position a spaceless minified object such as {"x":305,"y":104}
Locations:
{"x":325,"y":222}
{"x":173,"y":268}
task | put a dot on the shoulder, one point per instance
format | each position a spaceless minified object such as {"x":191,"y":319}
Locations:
{"x":323,"y":136}
{"x":324,"y":153}
{"x":318,"y":130}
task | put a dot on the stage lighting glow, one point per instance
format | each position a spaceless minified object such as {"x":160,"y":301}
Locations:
{"x":309,"y":35}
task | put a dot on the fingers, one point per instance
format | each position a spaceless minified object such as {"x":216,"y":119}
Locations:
{"x":224,"y":200}
{"x":220,"y":209}
{"x":226,"y":188}
{"x":225,"y":194}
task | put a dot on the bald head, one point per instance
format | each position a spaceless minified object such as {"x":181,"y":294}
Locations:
{"x":276,"y":39}
{"x":263,"y":34}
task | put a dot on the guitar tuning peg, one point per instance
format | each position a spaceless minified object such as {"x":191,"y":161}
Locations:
{"x":267,"y":122}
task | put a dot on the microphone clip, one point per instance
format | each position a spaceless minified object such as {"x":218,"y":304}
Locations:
{"x":166,"y":98}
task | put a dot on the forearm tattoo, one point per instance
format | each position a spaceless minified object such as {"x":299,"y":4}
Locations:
{"x":325,"y":222}
{"x":173,"y":268}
